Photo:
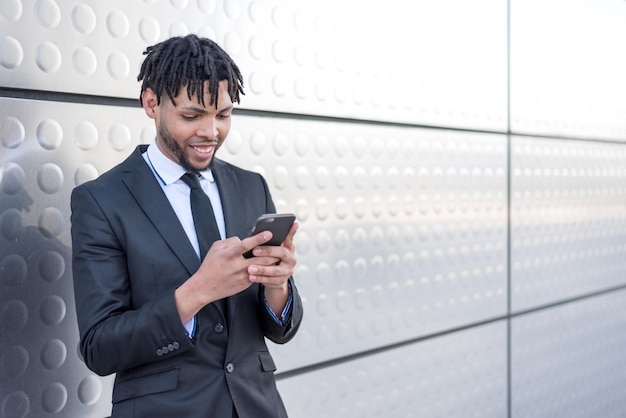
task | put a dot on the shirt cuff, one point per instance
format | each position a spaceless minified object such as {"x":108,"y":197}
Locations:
{"x":190,"y":327}
{"x":284,"y":316}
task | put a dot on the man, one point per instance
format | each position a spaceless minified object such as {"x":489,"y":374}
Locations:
{"x":185,"y":332}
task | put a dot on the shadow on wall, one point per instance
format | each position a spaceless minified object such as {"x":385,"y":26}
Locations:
{"x":40,"y":368}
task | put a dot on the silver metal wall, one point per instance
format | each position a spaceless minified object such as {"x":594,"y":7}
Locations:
{"x":458,"y":168}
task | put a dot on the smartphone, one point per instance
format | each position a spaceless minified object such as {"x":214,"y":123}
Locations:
{"x":278,"y":223}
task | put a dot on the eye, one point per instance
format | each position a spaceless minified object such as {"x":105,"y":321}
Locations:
{"x":189,"y":117}
{"x":223,"y":115}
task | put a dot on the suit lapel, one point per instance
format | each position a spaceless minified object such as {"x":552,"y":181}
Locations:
{"x":150,"y":197}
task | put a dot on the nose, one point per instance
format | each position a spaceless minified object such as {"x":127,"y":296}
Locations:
{"x":209,"y":129}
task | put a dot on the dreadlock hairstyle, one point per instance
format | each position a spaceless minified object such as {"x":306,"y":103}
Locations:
{"x":189,"y":61}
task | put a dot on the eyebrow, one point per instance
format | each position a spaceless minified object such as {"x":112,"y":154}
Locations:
{"x":203,"y":110}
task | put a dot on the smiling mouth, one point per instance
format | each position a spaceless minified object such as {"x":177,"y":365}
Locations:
{"x":204,"y":148}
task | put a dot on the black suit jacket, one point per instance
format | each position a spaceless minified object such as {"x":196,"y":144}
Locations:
{"x":129,"y":255}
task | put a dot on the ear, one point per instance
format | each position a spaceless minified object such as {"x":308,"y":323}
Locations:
{"x":149,"y":102}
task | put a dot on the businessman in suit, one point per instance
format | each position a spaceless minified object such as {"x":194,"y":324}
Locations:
{"x":184,"y":331}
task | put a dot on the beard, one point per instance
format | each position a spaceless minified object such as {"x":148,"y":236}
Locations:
{"x":176,"y":150}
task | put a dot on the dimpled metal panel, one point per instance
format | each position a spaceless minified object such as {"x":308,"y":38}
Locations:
{"x":566,"y":361}
{"x":384,"y":255}
{"x":457,"y":375}
{"x":403,"y":229}
{"x":297,"y":56}
{"x":567,"y":68}
{"x":45,"y":150}
{"x":568,"y":232}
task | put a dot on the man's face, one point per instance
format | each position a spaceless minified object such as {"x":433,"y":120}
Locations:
{"x":189,"y":133}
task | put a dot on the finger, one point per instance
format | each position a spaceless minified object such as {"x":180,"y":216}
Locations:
{"x":269,"y":275}
{"x":254,"y":241}
{"x":288,"y":242}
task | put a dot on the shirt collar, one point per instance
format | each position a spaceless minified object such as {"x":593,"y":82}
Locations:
{"x":167,"y":170}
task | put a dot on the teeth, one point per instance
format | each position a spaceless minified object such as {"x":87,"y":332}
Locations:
{"x":203,"y":149}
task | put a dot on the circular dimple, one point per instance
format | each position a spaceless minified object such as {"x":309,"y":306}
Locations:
{"x":341,"y":208}
{"x":178,"y":29}
{"x":14,"y":361}
{"x":50,"y":178}
{"x":149,"y":29}
{"x":207,"y":6}
{"x":322,"y":209}
{"x":50,"y":222}
{"x":11,"y":10}
{"x":303,"y":177}
{"x":52,"y":310}
{"x":323,"y":305}
{"x":232,"y":9}
{"x":322,"y":177}
{"x":15,"y":405}
{"x":85,"y":136}
{"x":48,"y":57}
{"x":281,"y":143}
{"x":341,"y":177}
{"x":14,"y":315}
{"x":257,"y":47}
{"x":11,"y":53}
{"x":13,"y":270}
{"x":258,"y":143}
{"x":83,"y":19}
{"x":118,"y":66}
{"x":279,"y":85}
{"x":89,"y":390}
{"x":180,"y":4}
{"x":234,"y":143}
{"x":342,"y":239}
{"x":323,"y":241}
{"x":11,"y":132}
{"x":49,"y":134}
{"x":280,"y":51}
{"x":207,"y":32}
{"x":85,"y":172}
{"x":302,"y":88}
{"x":148,"y":133}
{"x":281,"y":177}
{"x":302,"y":210}
{"x":84,"y":61}
{"x":12,"y":179}
{"x":117,"y":24}
{"x":119,"y":137}
{"x":303,"y":144}
{"x":51,"y":266}
{"x":12,"y":224}
{"x":48,"y":13}
{"x":359,"y":207}
{"x":53,"y":354}
{"x":256,"y":82}
{"x":232,"y":43}
{"x":54,"y":398}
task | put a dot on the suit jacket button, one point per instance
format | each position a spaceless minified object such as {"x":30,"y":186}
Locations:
{"x":218,"y":328}
{"x":159,"y":352}
{"x":176,"y":345}
{"x":170,"y":347}
{"x":230,"y":367}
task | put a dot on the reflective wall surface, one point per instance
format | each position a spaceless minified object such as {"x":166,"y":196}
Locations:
{"x":457,"y":168}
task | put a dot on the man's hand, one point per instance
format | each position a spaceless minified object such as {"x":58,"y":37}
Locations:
{"x":223,"y":272}
{"x":272,"y":267}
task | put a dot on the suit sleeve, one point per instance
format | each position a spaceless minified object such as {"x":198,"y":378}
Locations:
{"x":279,"y":334}
{"x":113,"y":335}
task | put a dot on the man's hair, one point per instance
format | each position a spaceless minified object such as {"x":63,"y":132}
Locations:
{"x":189,"y":61}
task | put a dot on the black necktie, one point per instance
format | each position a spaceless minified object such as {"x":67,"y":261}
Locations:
{"x":202,"y":211}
